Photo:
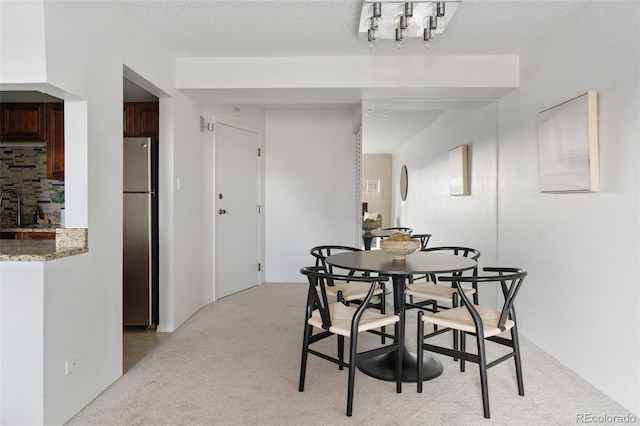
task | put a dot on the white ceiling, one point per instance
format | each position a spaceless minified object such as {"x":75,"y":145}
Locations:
{"x":190,"y":28}
{"x":329,"y":27}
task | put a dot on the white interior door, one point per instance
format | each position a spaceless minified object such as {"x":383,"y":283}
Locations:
{"x":237,"y":209}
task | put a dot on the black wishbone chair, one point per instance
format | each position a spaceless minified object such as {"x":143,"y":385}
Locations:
{"x":481,"y":322}
{"x":424,"y":240}
{"x":433,"y":296}
{"x":399,"y":229}
{"x":352,"y":291}
{"x":336,"y":318}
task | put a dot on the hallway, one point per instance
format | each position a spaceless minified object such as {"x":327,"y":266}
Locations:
{"x":138,"y":342}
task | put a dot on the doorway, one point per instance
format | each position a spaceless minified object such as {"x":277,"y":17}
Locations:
{"x":140,"y":303}
{"x":377,"y":185}
{"x":238,"y":209}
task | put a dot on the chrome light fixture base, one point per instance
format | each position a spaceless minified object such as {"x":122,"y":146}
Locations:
{"x":404,"y":22}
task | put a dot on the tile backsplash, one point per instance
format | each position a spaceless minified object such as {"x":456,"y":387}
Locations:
{"x":25,"y":170}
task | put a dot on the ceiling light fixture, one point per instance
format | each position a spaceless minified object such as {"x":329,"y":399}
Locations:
{"x":402,"y":22}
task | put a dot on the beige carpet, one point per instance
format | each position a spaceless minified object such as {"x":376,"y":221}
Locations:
{"x":237,"y":361}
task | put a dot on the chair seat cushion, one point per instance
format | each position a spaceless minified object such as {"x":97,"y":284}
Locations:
{"x":351,"y":291}
{"x":342,"y":315}
{"x":460,"y":319}
{"x":429,"y":290}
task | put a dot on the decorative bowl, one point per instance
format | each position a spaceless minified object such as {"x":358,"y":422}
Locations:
{"x":399,"y":249}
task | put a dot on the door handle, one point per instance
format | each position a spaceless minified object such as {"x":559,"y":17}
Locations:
{"x":222,"y":211}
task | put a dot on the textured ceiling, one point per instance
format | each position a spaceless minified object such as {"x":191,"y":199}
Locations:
{"x":329,"y":28}
{"x":318,"y":28}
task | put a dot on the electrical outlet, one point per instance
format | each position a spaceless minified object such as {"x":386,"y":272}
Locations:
{"x":71,"y":365}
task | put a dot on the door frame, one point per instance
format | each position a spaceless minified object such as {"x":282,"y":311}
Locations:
{"x":261,"y":220}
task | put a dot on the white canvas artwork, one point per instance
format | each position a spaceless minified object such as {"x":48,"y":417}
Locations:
{"x":568,"y":135}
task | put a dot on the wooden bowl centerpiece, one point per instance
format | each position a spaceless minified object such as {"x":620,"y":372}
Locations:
{"x":399,"y":245}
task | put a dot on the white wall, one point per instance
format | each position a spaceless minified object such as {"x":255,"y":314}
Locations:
{"x":468,"y":221}
{"x":310,"y":186}
{"x":82,"y":306}
{"x":189,"y":215}
{"x":581,"y":301}
{"x":85,"y":57}
{"x":22,"y":42}
{"x":22,"y":348}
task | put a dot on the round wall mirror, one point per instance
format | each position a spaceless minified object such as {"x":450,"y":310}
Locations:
{"x":404,"y":182}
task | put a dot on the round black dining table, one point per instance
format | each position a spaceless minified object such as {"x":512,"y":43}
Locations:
{"x":420,"y":262}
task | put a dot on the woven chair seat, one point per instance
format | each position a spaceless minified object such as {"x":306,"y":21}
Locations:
{"x":460,"y":319}
{"x":429,"y":290}
{"x":352,"y":290}
{"x":342,"y":315}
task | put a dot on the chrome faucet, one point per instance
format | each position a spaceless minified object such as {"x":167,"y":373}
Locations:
{"x":17,"y":194}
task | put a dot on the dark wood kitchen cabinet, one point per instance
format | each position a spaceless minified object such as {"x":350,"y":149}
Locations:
{"x":11,"y":235}
{"x":36,"y":236}
{"x":22,"y":122}
{"x":141,"y":119}
{"x":55,"y":141}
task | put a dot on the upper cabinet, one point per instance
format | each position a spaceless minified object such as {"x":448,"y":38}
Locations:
{"x":36,"y":122}
{"x":55,"y":141}
{"x":22,"y":122}
{"x":141,"y":119}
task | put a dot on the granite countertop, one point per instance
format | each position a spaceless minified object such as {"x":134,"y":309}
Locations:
{"x":68,"y":242}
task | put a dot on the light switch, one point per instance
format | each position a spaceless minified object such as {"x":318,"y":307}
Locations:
{"x":373,"y":186}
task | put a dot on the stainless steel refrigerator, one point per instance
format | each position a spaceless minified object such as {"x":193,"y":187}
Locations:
{"x":140,"y":232}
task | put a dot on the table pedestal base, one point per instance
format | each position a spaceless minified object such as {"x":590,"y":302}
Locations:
{"x":383,"y":367}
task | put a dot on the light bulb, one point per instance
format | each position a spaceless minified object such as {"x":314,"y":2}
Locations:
{"x":408,"y":13}
{"x":411,"y":21}
{"x":399,"y":36}
{"x":442,"y":22}
{"x":373,"y":35}
{"x":426,"y":45}
{"x":374,"y":23}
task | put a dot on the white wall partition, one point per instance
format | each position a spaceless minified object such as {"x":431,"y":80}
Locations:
{"x":82,"y":303}
{"x":189,"y":215}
